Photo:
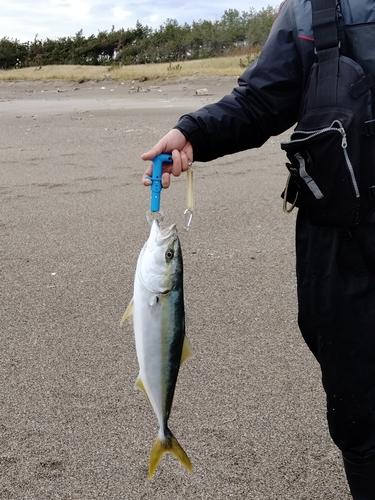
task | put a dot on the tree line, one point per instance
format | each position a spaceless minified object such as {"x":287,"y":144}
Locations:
{"x":234,"y":31}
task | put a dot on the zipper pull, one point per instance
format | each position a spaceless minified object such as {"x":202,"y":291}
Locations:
{"x":344,"y":142}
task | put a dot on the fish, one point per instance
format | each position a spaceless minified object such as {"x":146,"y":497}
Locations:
{"x":158,"y":313}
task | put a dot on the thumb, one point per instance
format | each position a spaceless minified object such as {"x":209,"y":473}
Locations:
{"x":174,"y":139}
{"x":154,"y":151}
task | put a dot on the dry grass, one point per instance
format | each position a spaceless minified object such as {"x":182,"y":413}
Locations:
{"x":223,"y":66}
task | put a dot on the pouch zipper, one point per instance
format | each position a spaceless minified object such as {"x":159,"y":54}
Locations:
{"x":344,"y":144}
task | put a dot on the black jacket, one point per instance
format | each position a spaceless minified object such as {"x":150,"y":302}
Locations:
{"x":267,"y":99}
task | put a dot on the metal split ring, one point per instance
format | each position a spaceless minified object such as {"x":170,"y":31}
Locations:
{"x":151,"y":216}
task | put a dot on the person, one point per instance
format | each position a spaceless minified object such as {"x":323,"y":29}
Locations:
{"x":336,"y":296}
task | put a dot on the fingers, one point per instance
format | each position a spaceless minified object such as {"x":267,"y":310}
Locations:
{"x":166,"y":180}
{"x":177,"y":164}
{"x":174,"y":143}
{"x":180,"y":164}
{"x":145,"y":180}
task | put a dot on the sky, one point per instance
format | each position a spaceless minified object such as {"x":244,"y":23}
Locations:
{"x":24,"y":19}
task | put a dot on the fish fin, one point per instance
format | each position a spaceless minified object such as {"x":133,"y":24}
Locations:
{"x":187,"y":351}
{"x":170,"y":445}
{"x":129,"y":312}
{"x":154,"y":300}
{"x":139,"y":385}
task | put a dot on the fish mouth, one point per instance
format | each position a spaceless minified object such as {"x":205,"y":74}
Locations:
{"x":167,"y":232}
{"x":158,"y":235}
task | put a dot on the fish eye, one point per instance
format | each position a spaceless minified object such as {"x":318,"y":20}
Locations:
{"x":169,"y":254}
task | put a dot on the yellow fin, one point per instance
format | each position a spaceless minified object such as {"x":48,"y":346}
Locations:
{"x":129,"y":312}
{"x":170,"y":445}
{"x":187,"y":351}
{"x":139,"y":385}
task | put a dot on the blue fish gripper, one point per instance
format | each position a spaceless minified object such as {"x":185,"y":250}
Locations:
{"x":156,"y":185}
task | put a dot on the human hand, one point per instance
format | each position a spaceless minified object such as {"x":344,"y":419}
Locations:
{"x":181,"y":150}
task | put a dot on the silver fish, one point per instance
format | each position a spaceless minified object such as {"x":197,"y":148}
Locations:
{"x":158,"y":314}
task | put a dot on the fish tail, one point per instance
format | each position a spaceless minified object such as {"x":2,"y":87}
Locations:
{"x":168,"y":445}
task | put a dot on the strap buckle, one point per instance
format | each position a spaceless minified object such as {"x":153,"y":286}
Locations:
{"x":370,"y":127}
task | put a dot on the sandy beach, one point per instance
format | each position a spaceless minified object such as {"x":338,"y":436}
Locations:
{"x":249,"y":408}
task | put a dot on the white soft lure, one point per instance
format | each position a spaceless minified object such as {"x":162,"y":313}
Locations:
{"x":158,"y":314}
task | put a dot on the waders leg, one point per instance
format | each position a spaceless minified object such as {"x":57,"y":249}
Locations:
{"x":361,"y":479}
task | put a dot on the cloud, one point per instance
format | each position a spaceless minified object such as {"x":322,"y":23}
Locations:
{"x":70,"y":10}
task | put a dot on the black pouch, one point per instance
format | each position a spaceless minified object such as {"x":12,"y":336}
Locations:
{"x":327,"y":151}
{"x":322,"y":169}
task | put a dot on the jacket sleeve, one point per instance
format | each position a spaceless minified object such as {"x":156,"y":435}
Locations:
{"x":265,"y":103}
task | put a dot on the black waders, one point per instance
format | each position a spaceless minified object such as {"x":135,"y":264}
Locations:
{"x":361,"y":479}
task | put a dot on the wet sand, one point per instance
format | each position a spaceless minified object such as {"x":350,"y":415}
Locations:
{"x":249,"y":408}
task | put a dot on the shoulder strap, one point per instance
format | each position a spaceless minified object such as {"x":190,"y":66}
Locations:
{"x":324,"y":24}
